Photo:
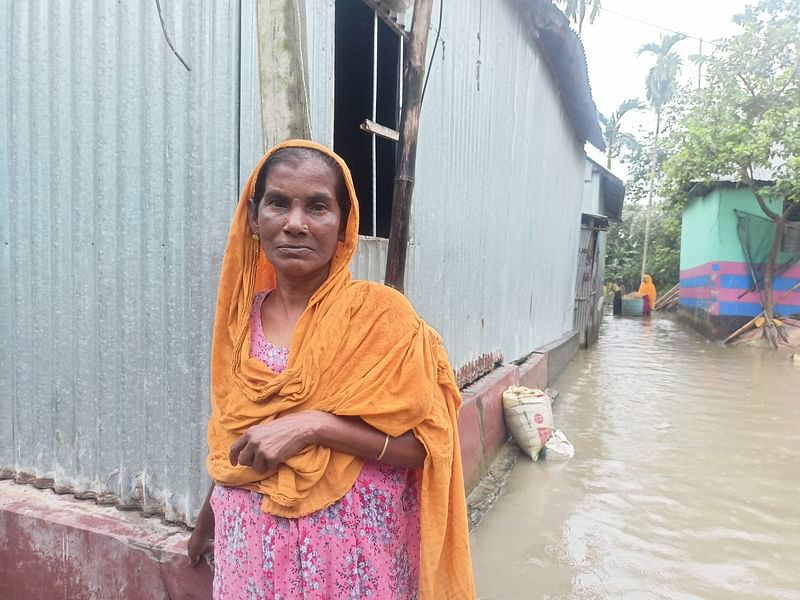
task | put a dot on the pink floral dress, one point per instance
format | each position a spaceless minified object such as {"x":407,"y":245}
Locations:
{"x":365,"y":545}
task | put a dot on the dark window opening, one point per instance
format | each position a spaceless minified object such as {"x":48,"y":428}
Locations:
{"x":353,"y":105}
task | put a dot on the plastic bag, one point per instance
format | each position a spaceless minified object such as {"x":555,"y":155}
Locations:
{"x":558,"y":447}
{"x":529,"y":418}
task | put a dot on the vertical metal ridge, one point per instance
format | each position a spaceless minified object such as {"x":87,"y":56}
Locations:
{"x":7,"y":432}
{"x":500,"y":274}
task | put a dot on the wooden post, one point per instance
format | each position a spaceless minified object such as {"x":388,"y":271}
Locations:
{"x":413,"y":80}
{"x":282,"y":70}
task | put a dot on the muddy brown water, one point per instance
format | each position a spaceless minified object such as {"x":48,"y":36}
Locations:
{"x":685,"y":482}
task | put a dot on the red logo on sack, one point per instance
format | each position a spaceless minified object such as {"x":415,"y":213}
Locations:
{"x":538,"y":418}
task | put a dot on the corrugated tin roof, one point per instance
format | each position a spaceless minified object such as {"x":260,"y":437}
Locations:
{"x":759,"y":175}
{"x":762,"y":177}
{"x":564,"y":54}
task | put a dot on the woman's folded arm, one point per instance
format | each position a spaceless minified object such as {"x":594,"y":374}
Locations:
{"x":265,"y":446}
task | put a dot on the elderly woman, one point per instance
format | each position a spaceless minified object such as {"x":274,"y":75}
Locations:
{"x":333,"y":443}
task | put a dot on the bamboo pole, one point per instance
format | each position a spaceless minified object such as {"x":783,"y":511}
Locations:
{"x":746,"y":327}
{"x":752,"y":321}
{"x":668,"y":297}
{"x":413,"y":80}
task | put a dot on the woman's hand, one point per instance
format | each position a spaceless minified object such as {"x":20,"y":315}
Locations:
{"x":202,"y":538}
{"x":266,"y":446}
{"x":199,"y":544}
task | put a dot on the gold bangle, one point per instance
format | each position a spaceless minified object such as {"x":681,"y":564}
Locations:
{"x":385,"y":446}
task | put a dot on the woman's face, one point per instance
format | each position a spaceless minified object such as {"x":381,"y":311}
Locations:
{"x":299,"y":219}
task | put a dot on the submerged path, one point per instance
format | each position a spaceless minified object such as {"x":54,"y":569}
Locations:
{"x":685,"y":483}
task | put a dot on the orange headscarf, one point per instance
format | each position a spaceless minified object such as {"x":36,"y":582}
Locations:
{"x":359,"y":349}
{"x":648,"y":289}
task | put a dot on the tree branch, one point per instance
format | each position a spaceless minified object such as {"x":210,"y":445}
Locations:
{"x":747,"y":85}
{"x":788,"y":81}
{"x":766,"y":105}
{"x":759,"y":198}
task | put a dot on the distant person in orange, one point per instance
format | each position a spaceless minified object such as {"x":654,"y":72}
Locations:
{"x":333,"y":437}
{"x":648,"y":293}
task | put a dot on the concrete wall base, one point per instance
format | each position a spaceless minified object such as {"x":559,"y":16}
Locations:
{"x":713,"y":327}
{"x":54,"y":546}
{"x":481,"y":423}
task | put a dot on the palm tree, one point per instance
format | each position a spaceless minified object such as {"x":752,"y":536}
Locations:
{"x":576,"y":10}
{"x":660,"y":84}
{"x":611,"y":129}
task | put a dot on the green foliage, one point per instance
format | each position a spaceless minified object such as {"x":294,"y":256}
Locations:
{"x":748,"y":119}
{"x":748,"y":115}
{"x":616,"y":139}
{"x":661,"y":84}
{"x":626,"y":239}
{"x":663,"y":75}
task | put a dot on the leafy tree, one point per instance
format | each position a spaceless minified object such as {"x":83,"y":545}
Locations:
{"x":576,"y":11}
{"x":748,"y":117}
{"x":661,"y":83}
{"x":624,"y":248}
{"x":626,"y":239}
{"x":615,"y":138}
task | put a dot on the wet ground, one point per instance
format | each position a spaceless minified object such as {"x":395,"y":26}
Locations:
{"x":685,"y":482}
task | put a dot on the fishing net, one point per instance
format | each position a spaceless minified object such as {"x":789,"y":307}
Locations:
{"x":756,"y":235}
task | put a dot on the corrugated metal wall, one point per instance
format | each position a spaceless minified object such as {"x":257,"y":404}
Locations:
{"x":120,"y":173}
{"x":118,"y":177}
{"x":591,"y":190}
{"x":320,"y":36}
{"x":499,"y":190}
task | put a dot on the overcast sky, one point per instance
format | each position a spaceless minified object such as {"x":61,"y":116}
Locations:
{"x":617,"y":73}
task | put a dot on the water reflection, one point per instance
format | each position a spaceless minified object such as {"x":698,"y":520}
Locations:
{"x":685,"y":483}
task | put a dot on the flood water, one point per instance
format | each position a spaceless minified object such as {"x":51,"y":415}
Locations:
{"x":685,"y":482}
